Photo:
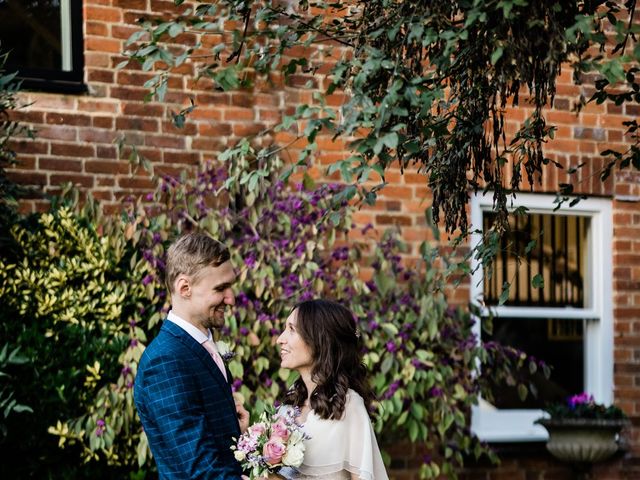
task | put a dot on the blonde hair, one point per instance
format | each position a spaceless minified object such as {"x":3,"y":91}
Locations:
{"x":191,"y":253}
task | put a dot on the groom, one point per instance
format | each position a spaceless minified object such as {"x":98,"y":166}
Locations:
{"x":181,"y":391}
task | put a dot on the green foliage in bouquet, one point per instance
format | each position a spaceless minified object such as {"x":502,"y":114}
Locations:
{"x":584,"y":406}
{"x":71,"y":301}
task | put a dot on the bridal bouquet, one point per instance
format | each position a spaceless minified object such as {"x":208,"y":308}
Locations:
{"x":275,"y":441}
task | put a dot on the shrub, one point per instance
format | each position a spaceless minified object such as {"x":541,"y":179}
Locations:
{"x":88,"y":292}
{"x":290,"y":244}
{"x":70,"y":302}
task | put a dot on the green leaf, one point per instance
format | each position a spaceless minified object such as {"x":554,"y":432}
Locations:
{"x":496,"y":55}
{"x":537,"y":281}
{"x":504,"y":296}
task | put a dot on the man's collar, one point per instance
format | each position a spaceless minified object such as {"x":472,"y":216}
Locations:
{"x":191,"y":329}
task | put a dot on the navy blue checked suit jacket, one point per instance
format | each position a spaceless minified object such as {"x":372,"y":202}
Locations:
{"x":186,"y":408}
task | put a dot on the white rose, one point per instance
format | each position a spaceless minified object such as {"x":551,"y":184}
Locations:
{"x":223,"y":348}
{"x":294,"y":455}
{"x":239,"y":454}
{"x":296,"y":437}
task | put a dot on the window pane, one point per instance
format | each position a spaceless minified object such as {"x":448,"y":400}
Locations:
{"x":558,"y":342}
{"x":32,"y":31}
{"x":559,"y":256}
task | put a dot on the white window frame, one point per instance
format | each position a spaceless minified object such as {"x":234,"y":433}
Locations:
{"x":494,"y":425}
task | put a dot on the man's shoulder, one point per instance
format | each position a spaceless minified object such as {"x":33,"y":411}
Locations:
{"x":168,"y":342}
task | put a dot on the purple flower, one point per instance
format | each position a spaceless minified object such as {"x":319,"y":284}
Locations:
{"x":100,"y":428}
{"x":391,"y":347}
{"x":393,"y":388}
{"x":373,"y":325}
{"x":436,"y":392}
{"x":250,"y":260}
{"x":147,"y":280}
{"x":242,"y":300}
{"x":244,"y":331}
{"x":237,"y":383}
{"x":583,"y":398}
{"x":133,"y":343}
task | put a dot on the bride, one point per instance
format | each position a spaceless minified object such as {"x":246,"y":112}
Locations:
{"x":321,"y":342}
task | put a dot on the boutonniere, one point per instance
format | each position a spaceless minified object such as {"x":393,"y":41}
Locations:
{"x":224,"y":349}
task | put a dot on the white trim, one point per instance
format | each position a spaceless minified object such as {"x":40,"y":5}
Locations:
{"x":65,"y":36}
{"x":495,"y":425}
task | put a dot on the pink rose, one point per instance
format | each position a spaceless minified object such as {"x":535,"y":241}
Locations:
{"x":273,"y":451}
{"x":257,"y":429}
{"x":280,"y":430}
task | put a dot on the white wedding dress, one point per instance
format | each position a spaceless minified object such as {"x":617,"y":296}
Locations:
{"x":339,"y":448}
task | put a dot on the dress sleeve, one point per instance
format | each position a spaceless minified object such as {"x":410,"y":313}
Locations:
{"x":362,"y":454}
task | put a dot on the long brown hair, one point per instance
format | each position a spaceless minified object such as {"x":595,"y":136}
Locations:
{"x":336,"y":348}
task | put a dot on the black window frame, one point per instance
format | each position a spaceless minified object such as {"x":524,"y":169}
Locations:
{"x":58,"y":81}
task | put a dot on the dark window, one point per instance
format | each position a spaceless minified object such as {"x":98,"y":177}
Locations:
{"x":44,"y":41}
{"x":554,"y":246}
{"x":557,"y":255}
{"x":559,"y":342}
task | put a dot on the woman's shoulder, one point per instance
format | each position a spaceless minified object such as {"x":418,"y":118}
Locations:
{"x":355,"y":397}
{"x":354,"y":402}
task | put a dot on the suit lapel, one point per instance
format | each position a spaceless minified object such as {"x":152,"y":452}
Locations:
{"x":200,"y":352}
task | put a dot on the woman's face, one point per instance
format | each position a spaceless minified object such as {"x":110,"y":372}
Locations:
{"x":295,"y":353}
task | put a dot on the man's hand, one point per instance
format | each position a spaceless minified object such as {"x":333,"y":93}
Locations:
{"x":243,"y":417}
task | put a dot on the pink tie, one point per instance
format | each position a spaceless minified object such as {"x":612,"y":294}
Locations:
{"x":210,"y":347}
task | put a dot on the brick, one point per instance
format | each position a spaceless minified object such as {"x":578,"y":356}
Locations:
{"x":57,"y":133}
{"x":102,"y":122}
{"x":81,"y":180}
{"x":96,"y":28}
{"x":72,"y":150}
{"x":189,"y":128}
{"x":100,"y":44}
{"x":165,"y":141}
{"x":60,"y":164}
{"x":136,"y":183}
{"x":393,"y":220}
{"x":238,"y":114}
{"x":67,"y":119}
{"x":143,"y":110}
{"x":106,"y":151}
{"x":29,"y":146}
{"x":187,"y":158}
{"x":103,"y":14}
{"x":131,"y":4}
{"x":27,"y":178}
{"x":104,"y":76}
{"x":94,"y":106}
{"x":137,"y":124}
{"x":101,"y":166}
{"x":95,"y":135}
{"x":128,"y":93}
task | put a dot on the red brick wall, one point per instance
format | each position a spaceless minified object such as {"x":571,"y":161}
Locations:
{"x":75,"y":142}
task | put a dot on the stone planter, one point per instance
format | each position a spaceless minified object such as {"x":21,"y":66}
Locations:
{"x":582,"y":441}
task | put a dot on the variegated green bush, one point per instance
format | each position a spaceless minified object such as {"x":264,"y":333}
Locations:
{"x":72,"y":301}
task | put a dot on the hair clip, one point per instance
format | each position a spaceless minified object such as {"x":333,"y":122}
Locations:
{"x":357,"y":333}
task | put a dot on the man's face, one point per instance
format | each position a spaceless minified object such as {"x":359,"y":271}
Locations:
{"x":210,"y":294}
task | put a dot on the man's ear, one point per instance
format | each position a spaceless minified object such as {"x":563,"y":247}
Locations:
{"x":183,"y":286}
